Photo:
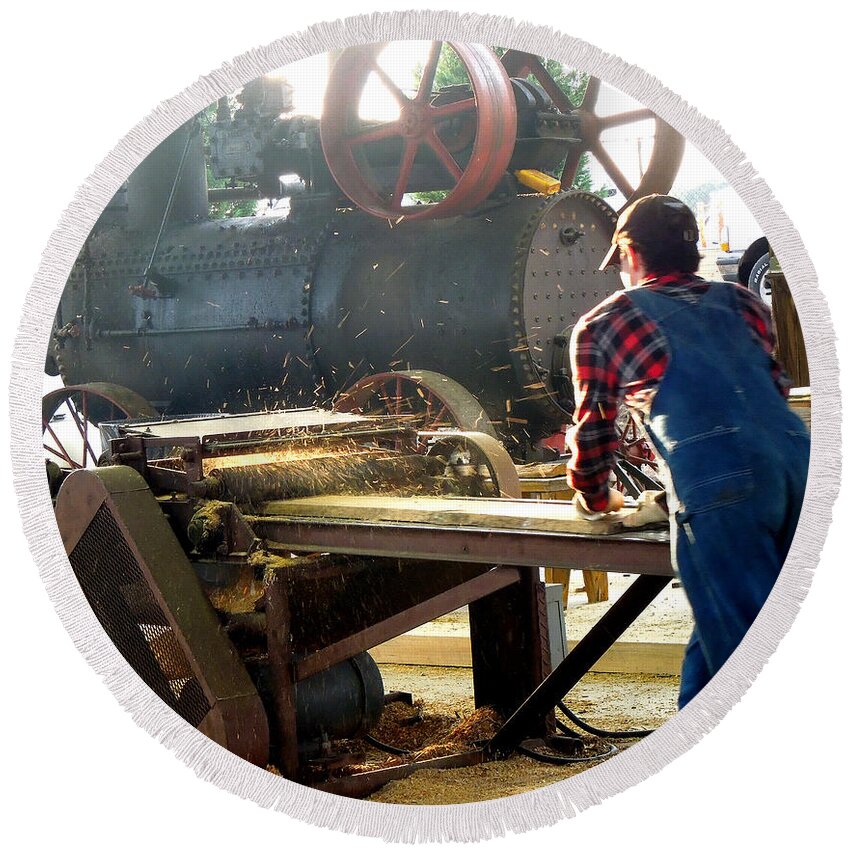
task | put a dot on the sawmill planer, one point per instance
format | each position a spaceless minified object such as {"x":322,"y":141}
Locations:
{"x":244,"y":565}
{"x":162,"y":541}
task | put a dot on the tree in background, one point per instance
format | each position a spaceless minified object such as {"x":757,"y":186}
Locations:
{"x":700,"y":194}
{"x":222,"y":209}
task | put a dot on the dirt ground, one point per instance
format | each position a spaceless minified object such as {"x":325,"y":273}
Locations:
{"x":615,"y":702}
{"x":610,"y":701}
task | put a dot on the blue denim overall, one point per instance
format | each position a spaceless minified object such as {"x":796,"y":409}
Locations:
{"x":737,"y":459}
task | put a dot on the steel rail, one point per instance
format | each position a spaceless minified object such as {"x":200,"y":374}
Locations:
{"x":642,"y":553}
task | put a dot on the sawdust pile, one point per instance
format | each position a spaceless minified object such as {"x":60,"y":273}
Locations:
{"x":425,"y":736}
{"x":619,"y":702}
{"x":240,"y":597}
{"x":488,"y":781}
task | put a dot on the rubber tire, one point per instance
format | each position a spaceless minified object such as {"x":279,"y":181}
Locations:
{"x":756,"y":279}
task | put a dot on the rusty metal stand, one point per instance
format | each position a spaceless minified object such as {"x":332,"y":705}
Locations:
{"x":509,"y":640}
{"x":281,"y":662}
{"x":523,"y":722}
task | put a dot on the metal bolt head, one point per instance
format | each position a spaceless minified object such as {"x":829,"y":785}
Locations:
{"x":570,"y":235}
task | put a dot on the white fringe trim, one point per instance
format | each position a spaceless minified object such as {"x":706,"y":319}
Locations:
{"x":469,"y":822}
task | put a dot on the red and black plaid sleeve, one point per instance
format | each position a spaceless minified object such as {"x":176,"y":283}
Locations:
{"x":614,"y":349}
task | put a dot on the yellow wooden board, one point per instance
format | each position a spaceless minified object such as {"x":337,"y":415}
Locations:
{"x":657,"y":659}
{"x":516,"y":514}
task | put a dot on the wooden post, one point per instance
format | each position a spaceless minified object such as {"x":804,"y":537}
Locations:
{"x":790,"y":347}
{"x":595,"y":585}
{"x":595,"y":582}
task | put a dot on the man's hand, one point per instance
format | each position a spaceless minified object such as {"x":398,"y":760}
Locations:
{"x":616,"y":500}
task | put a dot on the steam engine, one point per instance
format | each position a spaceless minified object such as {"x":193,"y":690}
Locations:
{"x":201,"y":315}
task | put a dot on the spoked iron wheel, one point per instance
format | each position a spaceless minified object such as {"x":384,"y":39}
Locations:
{"x":434,"y":128}
{"x":666,"y":153}
{"x":429,"y":400}
{"x":70,"y":415}
{"x":482,"y":460}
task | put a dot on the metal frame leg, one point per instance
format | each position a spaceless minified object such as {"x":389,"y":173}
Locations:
{"x":577,"y":664}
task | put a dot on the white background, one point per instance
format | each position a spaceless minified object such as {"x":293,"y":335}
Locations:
{"x":76,"y":79}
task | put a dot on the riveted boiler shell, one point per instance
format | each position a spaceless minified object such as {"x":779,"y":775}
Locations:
{"x":480,"y":298}
{"x":229,"y":332}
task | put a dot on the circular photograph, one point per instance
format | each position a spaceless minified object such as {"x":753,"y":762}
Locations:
{"x":426,"y":422}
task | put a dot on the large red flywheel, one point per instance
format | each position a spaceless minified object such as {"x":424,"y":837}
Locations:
{"x":430,"y":126}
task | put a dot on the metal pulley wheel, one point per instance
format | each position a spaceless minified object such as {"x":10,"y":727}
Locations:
{"x":479,"y":457}
{"x":431,"y":401}
{"x":429,"y":124}
{"x":666,"y":153}
{"x":69,"y":417}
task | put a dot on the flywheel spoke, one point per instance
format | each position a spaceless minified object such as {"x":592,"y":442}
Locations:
{"x":571,"y":167}
{"x":411,"y":146}
{"x":612,"y":170}
{"x":591,"y":94}
{"x":439,"y":417}
{"x":622,"y":118}
{"x":450,"y":110}
{"x":444,"y":155}
{"x":374,"y":134}
{"x":60,"y":451}
{"x":81,"y":427}
{"x":87,"y":447}
{"x":426,"y":84}
{"x":398,"y":95}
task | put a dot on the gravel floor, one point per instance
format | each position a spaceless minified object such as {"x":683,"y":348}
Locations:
{"x":609,"y":701}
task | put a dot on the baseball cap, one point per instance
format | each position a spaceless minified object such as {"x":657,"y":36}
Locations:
{"x":661,"y":220}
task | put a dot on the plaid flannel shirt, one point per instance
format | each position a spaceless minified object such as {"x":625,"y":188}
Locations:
{"x":619,"y":355}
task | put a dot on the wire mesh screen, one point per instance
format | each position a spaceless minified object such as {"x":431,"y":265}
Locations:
{"x":115,"y":586}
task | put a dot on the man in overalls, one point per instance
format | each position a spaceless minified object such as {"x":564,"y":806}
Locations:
{"x":694,"y":360}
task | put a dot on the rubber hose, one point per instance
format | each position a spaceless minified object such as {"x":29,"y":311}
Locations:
{"x":387,"y":748}
{"x":602,"y":733}
{"x":553,"y":759}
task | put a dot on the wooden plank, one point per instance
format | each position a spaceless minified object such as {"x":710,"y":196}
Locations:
{"x":555,"y":516}
{"x":595,"y":583}
{"x":790,"y":346}
{"x":425,"y":651}
{"x":658,"y":659}
{"x":595,"y":586}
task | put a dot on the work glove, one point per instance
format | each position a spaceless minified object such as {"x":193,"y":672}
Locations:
{"x":651,"y":510}
{"x":616,"y":500}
